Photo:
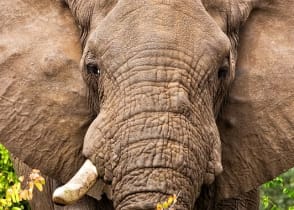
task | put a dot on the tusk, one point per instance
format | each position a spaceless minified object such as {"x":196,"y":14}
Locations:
{"x":78,"y":186}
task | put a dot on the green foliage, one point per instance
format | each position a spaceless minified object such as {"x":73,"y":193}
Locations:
{"x":278,"y":194}
{"x":9,"y":184}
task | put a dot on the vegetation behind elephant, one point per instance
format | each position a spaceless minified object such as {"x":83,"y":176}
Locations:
{"x":157,"y":74}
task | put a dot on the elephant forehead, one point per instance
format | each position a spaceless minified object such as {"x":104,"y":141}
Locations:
{"x":127,"y":27}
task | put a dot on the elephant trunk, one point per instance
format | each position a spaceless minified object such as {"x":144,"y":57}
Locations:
{"x":146,"y":187}
{"x":147,"y":196}
{"x":161,"y":154}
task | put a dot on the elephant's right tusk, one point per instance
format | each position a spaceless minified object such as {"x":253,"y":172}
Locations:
{"x":78,"y":186}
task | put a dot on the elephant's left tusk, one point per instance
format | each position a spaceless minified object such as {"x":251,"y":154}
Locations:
{"x":78,"y":186}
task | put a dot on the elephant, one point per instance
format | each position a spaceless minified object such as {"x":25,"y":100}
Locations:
{"x":193,"y":98}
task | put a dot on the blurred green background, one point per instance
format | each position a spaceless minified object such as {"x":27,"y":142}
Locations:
{"x":278,"y":194}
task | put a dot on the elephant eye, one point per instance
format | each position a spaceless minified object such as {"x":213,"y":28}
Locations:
{"x":92,"y":69}
{"x":223,"y":71}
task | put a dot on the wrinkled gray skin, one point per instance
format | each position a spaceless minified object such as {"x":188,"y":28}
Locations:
{"x":157,"y":74}
{"x":158,"y":92}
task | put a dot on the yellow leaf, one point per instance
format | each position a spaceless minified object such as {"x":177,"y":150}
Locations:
{"x":17,"y":187}
{"x":30,"y":194}
{"x":31,"y":185}
{"x":42,"y":180}
{"x":39,"y":186}
{"x":170,"y":200}
{"x":165,"y":205}
{"x":24,"y":195}
{"x":159,"y":207}
{"x":15,"y":197}
{"x":21,"y":178}
{"x":37,"y":171}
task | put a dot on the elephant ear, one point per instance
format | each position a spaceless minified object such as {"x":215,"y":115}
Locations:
{"x":257,"y":123}
{"x":43,"y":108}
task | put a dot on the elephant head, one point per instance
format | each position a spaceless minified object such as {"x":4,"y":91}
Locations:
{"x":157,"y":81}
{"x":157,"y":74}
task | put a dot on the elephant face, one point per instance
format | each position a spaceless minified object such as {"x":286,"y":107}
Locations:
{"x":157,"y":73}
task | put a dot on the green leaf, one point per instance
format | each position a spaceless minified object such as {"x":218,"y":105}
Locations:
{"x":265,"y":201}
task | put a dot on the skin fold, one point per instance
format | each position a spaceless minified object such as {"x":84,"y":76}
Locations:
{"x":157,"y":75}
